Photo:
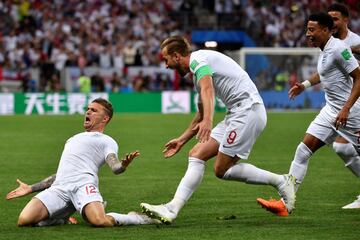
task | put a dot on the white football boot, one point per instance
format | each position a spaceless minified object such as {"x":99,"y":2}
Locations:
{"x":355,"y":204}
{"x":287,"y":192}
{"x":144,"y":219}
{"x":160,"y":212}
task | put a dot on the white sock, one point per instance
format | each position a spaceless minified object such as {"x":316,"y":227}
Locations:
{"x":349,"y":155}
{"x":299,"y":165}
{"x":126,"y":219}
{"x":245,"y":172}
{"x":188,"y":184}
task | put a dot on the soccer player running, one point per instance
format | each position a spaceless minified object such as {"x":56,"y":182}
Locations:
{"x":346,"y":151}
{"x":339,"y":75}
{"x":217,"y":75}
{"x":75,"y":187}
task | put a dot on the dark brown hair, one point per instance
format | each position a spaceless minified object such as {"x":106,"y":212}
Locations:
{"x":338,"y":7}
{"x":323,"y":19}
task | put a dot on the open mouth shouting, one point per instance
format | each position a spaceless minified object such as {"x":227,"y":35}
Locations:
{"x":87,"y":119}
{"x":87,"y":122}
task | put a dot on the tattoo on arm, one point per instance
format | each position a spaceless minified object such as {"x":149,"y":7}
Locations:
{"x":47,"y":182}
{"x":114,"y":163}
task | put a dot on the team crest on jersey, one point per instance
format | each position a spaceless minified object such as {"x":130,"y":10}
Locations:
{"x":193,"y":65}
{"x":346,"y":54}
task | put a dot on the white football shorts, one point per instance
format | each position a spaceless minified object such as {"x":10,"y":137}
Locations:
{"x":323,"y":128}
{"x":61,"y":198}
{"x":238,"y":132}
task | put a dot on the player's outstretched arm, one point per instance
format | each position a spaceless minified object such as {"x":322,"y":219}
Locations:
{"x":296,"y":90}
{"x":25,"y":189}
{"x":129,"y":157}
{"x":172,"y":147}
{"x":300,"y":87}
{"x":117,"y":166}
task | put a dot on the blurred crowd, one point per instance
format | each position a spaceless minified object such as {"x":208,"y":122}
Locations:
{"x":118,"y":34}
{"x":281,"y":23}
{"x":67,"y":33}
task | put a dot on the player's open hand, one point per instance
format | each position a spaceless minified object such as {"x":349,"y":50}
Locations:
{"x":129,"y":157}
{"x":22,"y":190}
{"x":296,"y":90}
{"x":172,"y":147}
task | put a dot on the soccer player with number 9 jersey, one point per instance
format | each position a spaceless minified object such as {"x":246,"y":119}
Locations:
{"x":231,"y":140}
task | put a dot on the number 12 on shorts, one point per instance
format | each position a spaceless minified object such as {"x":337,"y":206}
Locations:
{"x":90,"y":189}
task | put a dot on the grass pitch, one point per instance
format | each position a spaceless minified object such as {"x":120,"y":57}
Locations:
{"x":30,"y":149}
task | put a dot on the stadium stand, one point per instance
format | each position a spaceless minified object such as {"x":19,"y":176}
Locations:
{"x":41,"y":38}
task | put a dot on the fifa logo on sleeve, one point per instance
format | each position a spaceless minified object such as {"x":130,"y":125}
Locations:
{"x":346,"y":54}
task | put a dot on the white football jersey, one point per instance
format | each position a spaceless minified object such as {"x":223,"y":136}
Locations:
{"x":352,"y":39}
{"x":83,"y":155}
{"x":232,"y":84}
{"x":334,"y":65}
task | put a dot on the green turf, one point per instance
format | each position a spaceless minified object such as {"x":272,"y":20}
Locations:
{"x":30,"y":148}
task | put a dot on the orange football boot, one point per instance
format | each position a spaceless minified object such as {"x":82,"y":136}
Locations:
{"x":275,"y":206}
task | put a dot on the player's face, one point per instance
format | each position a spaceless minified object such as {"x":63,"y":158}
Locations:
{"x":340,"y":22}
{"x":173,"y":62}
{"x":95,"y":117}
{"x":316,"y":35}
